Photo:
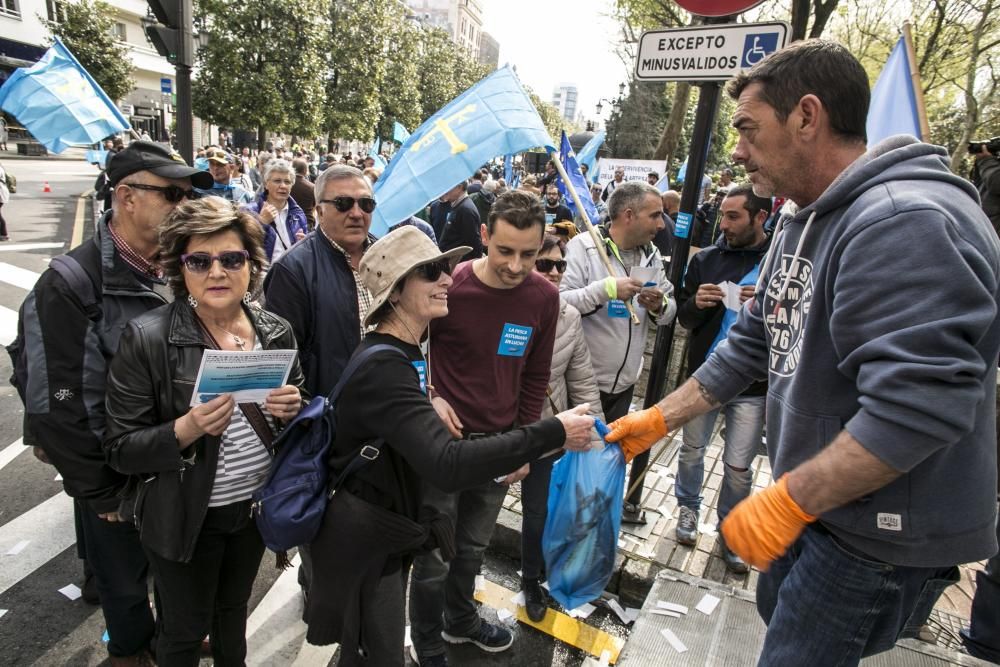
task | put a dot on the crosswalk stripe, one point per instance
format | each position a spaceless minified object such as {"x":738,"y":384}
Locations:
{"x":17,"y":276}
{"x":8,"y":325}
{"x":11,"y":452}
{"x":276,"y":634}
{"x":48,"y":527}
{"x":16,"y":247}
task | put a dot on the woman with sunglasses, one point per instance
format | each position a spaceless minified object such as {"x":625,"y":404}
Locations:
{"x":283,"y":219}
{"x":374,"y":523}
{"x":571,"y":382}
{"x":196,"y":467}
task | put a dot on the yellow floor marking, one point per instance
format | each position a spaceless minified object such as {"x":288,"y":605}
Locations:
{"x":81,"y":208}
{"x":565,"y":628}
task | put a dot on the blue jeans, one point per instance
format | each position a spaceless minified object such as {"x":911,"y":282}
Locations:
{"x":744,"y":425}
{"x":982,"y":637}
{"x":441,"y":593}
{"x":534,"y":511}
{"x":824,"y":603}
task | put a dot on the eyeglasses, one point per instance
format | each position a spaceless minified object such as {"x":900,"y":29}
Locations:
{"x":172,"y":193}
{"x":432,"y":272}
{"x":201,"y":262}
{"x":345,"y":204}
{"x":546,"y":265}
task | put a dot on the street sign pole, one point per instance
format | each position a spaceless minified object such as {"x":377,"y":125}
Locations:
{"x":708,"y":105}
{"x":185,"y":59}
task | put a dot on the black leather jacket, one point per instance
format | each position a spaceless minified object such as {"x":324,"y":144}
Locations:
{"x":149,"y":386}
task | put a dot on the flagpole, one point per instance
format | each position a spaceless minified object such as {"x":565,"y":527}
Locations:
{"x":598,"y":243}
{"x":918,"y":91}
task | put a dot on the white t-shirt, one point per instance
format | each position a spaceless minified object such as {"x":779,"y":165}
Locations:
{"x":282,"y":243}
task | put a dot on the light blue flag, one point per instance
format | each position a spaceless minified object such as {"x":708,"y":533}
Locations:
{"x":508,"y":168}
{"x":97,"y":156}
{"x":399,"y":133}
{"x":59,"y":103}
{"x":682,"y":172}
{"x":373,"y":153}
{"x":568,"y":159}
{"x":493,"y":117}
{"x":893,"y":108}
{"x":664,"y":183}
{"x":588,"y":154}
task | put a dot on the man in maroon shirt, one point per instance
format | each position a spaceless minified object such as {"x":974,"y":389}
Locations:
{"x":489,"y":360}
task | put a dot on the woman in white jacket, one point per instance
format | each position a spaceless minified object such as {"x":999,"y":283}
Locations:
{"x":571,"y":382}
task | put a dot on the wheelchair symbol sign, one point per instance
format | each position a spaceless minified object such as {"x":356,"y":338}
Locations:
{"x":757,"y":47}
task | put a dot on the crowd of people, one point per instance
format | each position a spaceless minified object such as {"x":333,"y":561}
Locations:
{"x":497,"y":336}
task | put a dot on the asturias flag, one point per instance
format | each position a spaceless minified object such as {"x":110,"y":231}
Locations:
{"x":399,"y":133}
{"x":893,"y":109}
{"x":493,"y":117}
{"x":588,"y":154}
{"x":568,"y":159}
{"x":60,"y":103}
{"x":374,"y":154}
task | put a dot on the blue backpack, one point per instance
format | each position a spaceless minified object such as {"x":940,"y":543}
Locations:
{"x":289,"y":507}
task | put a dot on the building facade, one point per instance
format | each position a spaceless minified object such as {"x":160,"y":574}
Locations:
{"x":489,"y":50}
{"x":461,"y":19}
{"x":564,"y":98}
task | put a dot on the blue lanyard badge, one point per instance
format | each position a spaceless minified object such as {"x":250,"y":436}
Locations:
{"x":550,"y":218}
{"x":421,"y":367}
{"x":513,"y":340}
{"x":616,"y":308}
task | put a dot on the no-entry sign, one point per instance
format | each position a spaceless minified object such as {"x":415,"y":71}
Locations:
{"x":717,"y":7}
{"x":706,"y":53}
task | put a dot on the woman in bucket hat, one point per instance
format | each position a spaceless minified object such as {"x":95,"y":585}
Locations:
{"x":374,"y":523}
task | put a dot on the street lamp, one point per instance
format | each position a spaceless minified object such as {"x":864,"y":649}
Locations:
{"x":615,"y":102}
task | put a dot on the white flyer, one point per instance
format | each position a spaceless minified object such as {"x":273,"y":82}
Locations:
{"x":248,"y":376}
{"x":731,"y":295}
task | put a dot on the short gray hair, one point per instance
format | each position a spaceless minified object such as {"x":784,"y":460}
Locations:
{"x":277,"y":165}
{"x":337,"y":172}
{"x":629,"y":195}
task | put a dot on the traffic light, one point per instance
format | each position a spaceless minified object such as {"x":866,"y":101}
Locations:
{"x":165,"y":34}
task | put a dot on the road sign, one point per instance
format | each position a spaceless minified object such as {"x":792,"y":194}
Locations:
{"x":717,"y":7}
{"x":706,"y":53}
{"x":166,"y":86}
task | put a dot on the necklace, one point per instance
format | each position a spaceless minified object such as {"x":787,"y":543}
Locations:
{"x":240,"y":342}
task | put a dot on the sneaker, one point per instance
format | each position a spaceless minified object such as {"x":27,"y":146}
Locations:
{"x":687,"y":527}
{"x":439,"y":660}
{"x":534,"y":599}
{"x":733,"y":562}
{"x":491,"y":638}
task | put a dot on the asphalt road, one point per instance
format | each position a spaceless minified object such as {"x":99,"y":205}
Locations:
{"x":41,"y":626}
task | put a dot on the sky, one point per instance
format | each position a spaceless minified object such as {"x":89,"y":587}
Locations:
{"x":560,"y":41}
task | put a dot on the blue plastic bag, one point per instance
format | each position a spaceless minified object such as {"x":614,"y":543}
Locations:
{"x":581,"y":530}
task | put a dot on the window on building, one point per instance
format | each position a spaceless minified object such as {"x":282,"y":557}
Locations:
{"x":55,"y":10}
{"x":10,"y":8}
{"x":118,"y":31}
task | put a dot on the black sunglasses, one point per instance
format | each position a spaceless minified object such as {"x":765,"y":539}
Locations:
{"x":201,"y":262}
{"x":172,"y":193}
{"x":545,"y":265}
{"x":432,"y":272}
{"x":345,"y":204}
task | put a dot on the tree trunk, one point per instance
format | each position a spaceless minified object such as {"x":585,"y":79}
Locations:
{"x":675,"y":125}
{"x":971,"y":119}
{"x":261,"y":138}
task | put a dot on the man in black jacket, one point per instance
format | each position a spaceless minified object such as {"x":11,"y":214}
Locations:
{"x":702,"y":310}
{"x":68,"y":354}
{"x":317,"y":288}
{"x":464,"y":224}
{"x":986,"y":176}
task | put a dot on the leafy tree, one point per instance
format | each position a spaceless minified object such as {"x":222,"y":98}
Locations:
{"x":438,"y":84}
{"x":86,"y":30}
{"x":259,"y":69}
{"x":399,"y":96}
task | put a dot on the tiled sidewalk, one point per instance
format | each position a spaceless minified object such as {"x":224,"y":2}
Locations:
{"x":655,"y":541}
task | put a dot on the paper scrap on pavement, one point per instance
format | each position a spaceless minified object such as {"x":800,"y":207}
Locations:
{"x":583,"y":611}
{"x":2,"y":612}
{"x":730,"y":295}
{"x":670,"y":606}
{"x":605,"y":658}
{"x":58,"y":478}
{"x":708,"y":604}
{"x":407,"y":640}
{"x":632,"y":614}
{"x":619,"y":612}
{"x":707,"y":529}
{"x":674,"y":641}
{"x":503,"y":615}
{"x":18,"y":548}
{"x":621,"y":543}
{"x":664,"y":612}
{"x":72,"y":591}
{"x":633,"y":540}
{"x":480,"y":583}
{"x":518,"y":599}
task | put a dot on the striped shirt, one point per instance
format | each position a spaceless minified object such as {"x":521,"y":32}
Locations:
{"x":243,"y":460}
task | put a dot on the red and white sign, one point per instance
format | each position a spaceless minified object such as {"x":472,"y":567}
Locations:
{"x":717,"y":7}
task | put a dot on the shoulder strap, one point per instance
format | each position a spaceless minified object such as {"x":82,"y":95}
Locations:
{"x":79,"y":282}
{"x":370,"y":450}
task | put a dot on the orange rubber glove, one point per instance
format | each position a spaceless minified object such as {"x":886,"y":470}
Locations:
{"x":638,"y":431}
{"x":762,"y":527}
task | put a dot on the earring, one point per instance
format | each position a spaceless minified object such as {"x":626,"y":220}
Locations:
{"x":193,"y":302}
{"x":247,"y":299}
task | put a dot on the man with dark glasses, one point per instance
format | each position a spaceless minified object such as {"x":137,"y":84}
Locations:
{"x":69,"y":341}
{"x":317,"y":288}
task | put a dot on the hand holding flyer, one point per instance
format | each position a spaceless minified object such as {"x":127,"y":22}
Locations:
{"x":248,"y":376}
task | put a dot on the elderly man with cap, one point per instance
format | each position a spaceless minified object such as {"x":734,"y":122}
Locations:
{"x":69,"y":345}
{"x":219,"y":162}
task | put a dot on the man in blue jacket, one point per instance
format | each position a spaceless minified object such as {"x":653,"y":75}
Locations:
{"x":876,"y":325}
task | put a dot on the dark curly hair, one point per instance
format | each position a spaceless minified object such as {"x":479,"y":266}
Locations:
{"x":206,"y":217}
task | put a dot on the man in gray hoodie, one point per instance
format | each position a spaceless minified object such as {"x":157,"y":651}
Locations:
{"x":881,"y":358}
